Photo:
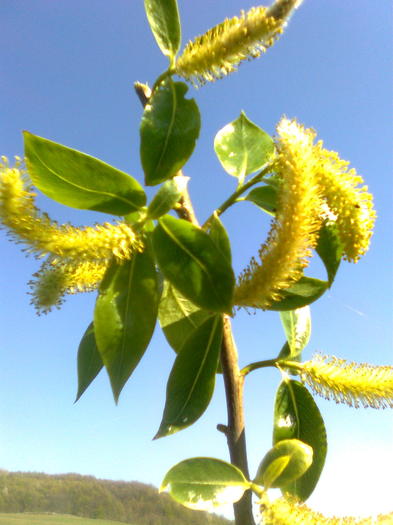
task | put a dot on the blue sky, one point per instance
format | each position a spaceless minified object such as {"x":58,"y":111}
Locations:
{"x":67,"y":71}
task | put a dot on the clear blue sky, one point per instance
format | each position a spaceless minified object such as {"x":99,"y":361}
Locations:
{"x":67,"y":70}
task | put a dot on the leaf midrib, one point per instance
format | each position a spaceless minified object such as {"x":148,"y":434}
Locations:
{"x":88,"y":190}
{"x":192,"y":256}
{"x":125,"y":313}
{"x":197,"y":376}
{"x":170,"y":127}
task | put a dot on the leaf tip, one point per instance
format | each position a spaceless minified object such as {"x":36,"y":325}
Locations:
{"x":165,"y":430}
{"x":78,"y":396}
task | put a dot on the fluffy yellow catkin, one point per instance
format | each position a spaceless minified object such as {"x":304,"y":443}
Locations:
{"x":221,"y":49}
{"x":348,"y":199}
{"x":290,"y":511}
{"x":43,"y":236}
{"x":351,"y":383}
{"x":294,"y":230}
{"x":54,"y":280}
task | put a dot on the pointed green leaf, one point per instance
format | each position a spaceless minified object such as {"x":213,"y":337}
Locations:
{"x":205,"y":483}
{"x":191,"y":382}
{"x":329,"y":249}
{"x":89,"y":361}
{"x":297,"y":328}
{"x":286,"y":461}
{"x":242,"y":147}
{"x":304,"y":292}
{"x":297,"y":416}
{"x":125,"y":316}
{"x":178,"y":316}
{"x":219,"y":236}
{"x":78,"y":180}
{"x":163,"y":17}
{"x":169,"y":130}
{"x":167,"y":196}
{"x":191,"y":261}
{"x":264,"y":197}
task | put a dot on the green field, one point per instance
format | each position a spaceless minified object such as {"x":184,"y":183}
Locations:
{"x":50,"y":519}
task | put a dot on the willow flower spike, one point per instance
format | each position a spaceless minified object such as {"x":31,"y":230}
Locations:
{"x":26,"y":224}
{"x":221,"y":49}
{"x":294,"y":231}
{"x":351,"y":383}
{"x":349,"y":201}
{"x":54,"y":280}
{"x":290,"y":511}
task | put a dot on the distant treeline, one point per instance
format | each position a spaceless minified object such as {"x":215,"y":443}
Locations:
{"x":88,"y":497}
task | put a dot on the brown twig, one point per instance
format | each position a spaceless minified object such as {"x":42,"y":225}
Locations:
{"x":236,"y":439}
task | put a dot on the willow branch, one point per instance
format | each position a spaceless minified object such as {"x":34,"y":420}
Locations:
{"x":233,"y":380}
{"x":235,"y":429}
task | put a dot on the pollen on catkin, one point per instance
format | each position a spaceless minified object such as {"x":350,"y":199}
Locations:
{"x":351,"y":383}
{"x":56,"y":279}
{"x":348,"y":199}
{"x":291,"y":511}
{"x":295,"y":228}
{"x":43,"y":236}
{"x":220,"y":50}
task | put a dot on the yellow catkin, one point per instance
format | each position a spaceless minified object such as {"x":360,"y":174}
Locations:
{"x":290,"y":511}
{"x":43,"y":236}
{"x":294,"y":230}
{"x":348,"y":199}
{"x":220,"y":50}
{"x":351,"y":383}
{"x":54,"y":280}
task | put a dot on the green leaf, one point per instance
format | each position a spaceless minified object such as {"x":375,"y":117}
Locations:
{"x":286,"y":461}
{"x":242,"y":147}
{"x":125,"y":315}
{"x":219,"y":236}
{"x":265,"y":197}
{"x":167,"y":196}
{"x":329,"y":249}
{"x":205,"y":483}
{"x":80,"y":181}
{"x":191,"y":381}
{"x":297,"y":328}
{"x":178,"y":316}
{"x":163,"y":17}
{"x":273,"y":471}
{"x":89,"y":361}
{"x":191,"y":261}
{"x":297,"y":416}
{"x":305,"y":291}
{"x":169,"y":130}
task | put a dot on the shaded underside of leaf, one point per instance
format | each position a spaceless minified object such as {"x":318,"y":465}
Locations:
{"x":89,"y":361}
{"x":265,"y":197}
{"x":329,"y":249}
